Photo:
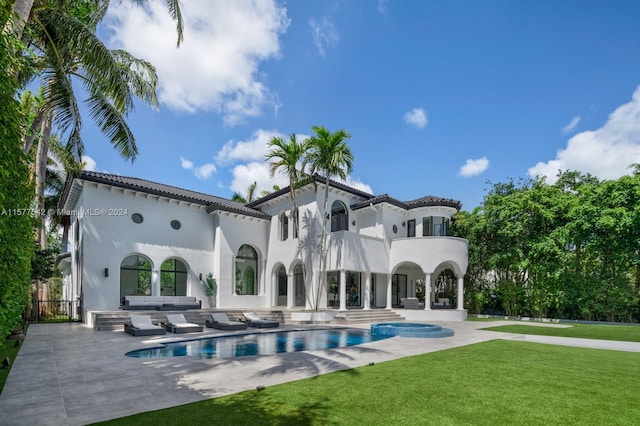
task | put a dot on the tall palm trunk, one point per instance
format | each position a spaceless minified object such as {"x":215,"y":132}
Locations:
{"x":19,"y":16}
{"x":41,"y":173}
{"x":323,"y":244}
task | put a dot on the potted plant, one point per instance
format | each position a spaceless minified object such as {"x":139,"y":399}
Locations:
{"x":210,"y":288}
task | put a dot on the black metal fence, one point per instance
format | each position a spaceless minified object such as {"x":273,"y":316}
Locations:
{"x":54,"y":311}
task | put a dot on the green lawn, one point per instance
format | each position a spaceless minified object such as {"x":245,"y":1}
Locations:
{"x":8,"y":351}
{"x":626,"y":333}
{"x":492,"y":383}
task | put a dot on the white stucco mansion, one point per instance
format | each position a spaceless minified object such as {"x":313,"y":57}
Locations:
{"x":126,"y":235}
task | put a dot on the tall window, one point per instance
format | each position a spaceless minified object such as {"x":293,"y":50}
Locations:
{"x":135,"y":276}
{"x":173,"y":278}
{"x":411,"y":228}
{"x":339,"y":217}
{"x":246,"y":270}
{"x":435,"y":226}
{"x":298,"y":282}
{"x":281,"y":275}
{"x":296,"y":222}
{"x":284,"y":227}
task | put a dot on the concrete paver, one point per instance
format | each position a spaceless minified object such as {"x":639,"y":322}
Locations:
{"x":71,"y":374}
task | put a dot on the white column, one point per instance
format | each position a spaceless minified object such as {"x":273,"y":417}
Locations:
{"x":427,"y":291}
{"x":460,"y":293}
{"x":155,"y":283}
{"x":388,"y":291}
{"x":343,"y":290}
{"x":291,"y":291}
{"x":367,"y":290}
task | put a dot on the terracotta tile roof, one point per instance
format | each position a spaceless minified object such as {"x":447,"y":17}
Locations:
{"x":212,"y":202}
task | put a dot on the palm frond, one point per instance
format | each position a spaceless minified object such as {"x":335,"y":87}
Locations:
{"x":113,"y":124}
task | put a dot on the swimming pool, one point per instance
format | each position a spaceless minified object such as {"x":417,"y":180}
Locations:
{"x":260,"y":344}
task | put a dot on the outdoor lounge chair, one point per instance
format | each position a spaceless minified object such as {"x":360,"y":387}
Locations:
{"x":140,"y":325}
{"x":177,"y":324}
{"x":257,"y":322}
{"x":222,"y":322}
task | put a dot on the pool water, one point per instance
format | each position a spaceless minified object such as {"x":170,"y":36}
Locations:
{"x":260,"y":344}
{"x":405,"y":329}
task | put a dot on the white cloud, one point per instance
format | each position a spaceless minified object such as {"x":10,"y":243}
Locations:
{"x":245,"y":174}
{"x":217,"y":66}
{"x":606,"y":152}
{"x":572,"y":125}
{"x":416,"y":117}
{"x":253,"y":149}
{"x":88,"y":163}
{"x":186,"y":164}
{"x":383,"y":7}
{"x":324,"y":35}
{"x":203,"y":172}
{"x":474,"y":167}
{"x":358,"y":184}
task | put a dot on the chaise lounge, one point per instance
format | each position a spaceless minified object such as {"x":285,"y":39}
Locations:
{"x":176,"y":323}
{"x":141,"y":325}
{"x":221,"y":321}
{"x":257,"y":322}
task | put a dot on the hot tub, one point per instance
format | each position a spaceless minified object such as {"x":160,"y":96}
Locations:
{"x":405,"y":329}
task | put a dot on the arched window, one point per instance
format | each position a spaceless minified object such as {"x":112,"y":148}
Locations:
{"x":246,"y":270}
{"x":298,"y":283}
{"x":173,"y":278}
{"x":339,"y":217}
{"x":135,"y":276}
{"x":284,"y":227}
{"x":281,"y":278}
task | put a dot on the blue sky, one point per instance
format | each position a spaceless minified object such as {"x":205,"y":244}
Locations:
{"x":439,"y":97}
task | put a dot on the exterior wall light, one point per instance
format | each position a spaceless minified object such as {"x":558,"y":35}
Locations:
{"x":106,"y":272}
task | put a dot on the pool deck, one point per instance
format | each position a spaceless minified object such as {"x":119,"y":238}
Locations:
{"x":69,"y":374}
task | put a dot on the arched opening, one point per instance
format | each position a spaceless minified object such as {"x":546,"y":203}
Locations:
{"x":246,"y":270}
{"x":135,"y":276}
{"x":445,"y":288}
{"x":339,"y":217}
{"x":173,"y":278}
{"x":281,"y":286}
{"x":299,"y":287}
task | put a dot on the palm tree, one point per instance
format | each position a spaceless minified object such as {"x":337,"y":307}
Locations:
{"x":22,"y":9}
{"x":287,"y":157}
{"x":111,"y":79}
{"x":274,"y":188}
{"x":329,"y":155}
{"x":251,"y":190}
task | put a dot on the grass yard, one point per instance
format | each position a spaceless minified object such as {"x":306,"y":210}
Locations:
{"x":11,"y":352}
{"x":626,"y":333}
{"x":492,"y":383}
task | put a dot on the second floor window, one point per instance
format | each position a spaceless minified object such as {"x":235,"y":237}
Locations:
{"x":284,"y":227}
{"x":411,"y":228}
{"x":339,"y":217}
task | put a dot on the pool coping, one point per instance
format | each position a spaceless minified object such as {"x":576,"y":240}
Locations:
{"x":72,"y":374}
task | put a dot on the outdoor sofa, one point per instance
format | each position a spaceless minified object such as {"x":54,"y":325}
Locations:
{"x":411,"y":303}
{"x":160,"y":303}
{"x":257,"y":322}
{"x":176,"y":323}
{"x":220,"y":321}
{"x":141,"y":325}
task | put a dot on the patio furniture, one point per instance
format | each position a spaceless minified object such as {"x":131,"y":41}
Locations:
{"x":222,"y":322}
{"x":160,"y":303}
{"x":257,"y":322}
{"x":411,"y":303}
{"x":176,"y":323}
{"x":141,"y":325}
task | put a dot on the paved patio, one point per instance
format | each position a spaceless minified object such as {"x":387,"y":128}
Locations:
{"x":71,"y":374}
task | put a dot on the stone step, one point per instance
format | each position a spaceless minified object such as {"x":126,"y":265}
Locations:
{"x":355,"y":317}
